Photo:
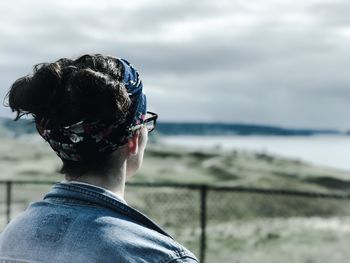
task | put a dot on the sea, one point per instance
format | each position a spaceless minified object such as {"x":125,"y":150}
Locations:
{"x":324,"y":150}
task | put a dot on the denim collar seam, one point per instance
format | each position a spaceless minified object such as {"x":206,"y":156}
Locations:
{"x":74,"y":202}
{"x":6,"y":260}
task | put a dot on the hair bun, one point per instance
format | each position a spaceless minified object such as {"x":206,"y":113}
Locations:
{"x":35,"y":93}
{"x":67,"y":91}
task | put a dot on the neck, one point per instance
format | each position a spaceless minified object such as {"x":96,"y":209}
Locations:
{"x":112,"y":179}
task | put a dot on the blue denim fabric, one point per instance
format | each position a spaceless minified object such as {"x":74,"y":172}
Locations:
{"x":82,"y":223}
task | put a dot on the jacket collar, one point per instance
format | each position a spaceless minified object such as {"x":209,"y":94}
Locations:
{"x":99,"y":196}
{"x":121,"y":199}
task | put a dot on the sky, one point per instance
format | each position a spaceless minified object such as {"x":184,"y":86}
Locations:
{"x":272,"y":62}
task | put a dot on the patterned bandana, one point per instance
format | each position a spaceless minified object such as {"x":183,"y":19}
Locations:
{"x":88,"y":141}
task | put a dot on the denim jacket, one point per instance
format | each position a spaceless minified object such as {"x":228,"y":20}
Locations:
{"x":83,"y":223}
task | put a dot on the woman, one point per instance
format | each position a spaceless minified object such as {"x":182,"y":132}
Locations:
{"x":92,"y":112}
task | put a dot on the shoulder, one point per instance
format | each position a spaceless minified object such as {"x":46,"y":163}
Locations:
{"x":134,"y":241}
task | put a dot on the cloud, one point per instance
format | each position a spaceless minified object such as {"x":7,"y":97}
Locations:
{"x":275,"y":62}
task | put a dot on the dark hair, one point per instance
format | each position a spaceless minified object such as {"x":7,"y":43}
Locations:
{"x":67,"y":91}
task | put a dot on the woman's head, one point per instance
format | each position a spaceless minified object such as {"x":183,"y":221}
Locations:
{"x":85,"y":108}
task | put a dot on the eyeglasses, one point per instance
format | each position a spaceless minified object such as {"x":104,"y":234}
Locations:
{"x":149,"y":122}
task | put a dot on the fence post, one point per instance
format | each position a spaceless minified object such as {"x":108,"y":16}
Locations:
{"x":203,"y":214}
{"x":8,"y":200}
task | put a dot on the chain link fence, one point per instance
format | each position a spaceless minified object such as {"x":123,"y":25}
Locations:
{"x":229,"y":224}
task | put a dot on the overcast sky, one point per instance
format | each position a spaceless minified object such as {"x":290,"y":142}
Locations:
{"x":279,"y":62}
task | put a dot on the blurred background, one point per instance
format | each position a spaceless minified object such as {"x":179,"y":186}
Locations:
{"x":249,"y":94}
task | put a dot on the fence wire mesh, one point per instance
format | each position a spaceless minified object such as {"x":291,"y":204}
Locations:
{"x":176,"y":210}
{"x":239,"y":226}
{"x":270,"y":227}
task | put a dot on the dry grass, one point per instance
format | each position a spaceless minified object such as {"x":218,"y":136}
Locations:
{"x":241,"y":227}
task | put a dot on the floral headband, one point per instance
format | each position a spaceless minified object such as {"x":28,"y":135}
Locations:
{"x":88,"y":141}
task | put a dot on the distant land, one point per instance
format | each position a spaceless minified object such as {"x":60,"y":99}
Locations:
{"x":169,"y":128}
{"x":26,"y":126}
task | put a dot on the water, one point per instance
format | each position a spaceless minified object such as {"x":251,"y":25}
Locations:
{"x":331,"y":151}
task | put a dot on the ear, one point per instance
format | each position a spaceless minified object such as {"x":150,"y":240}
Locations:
{"x":133,"y":144}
